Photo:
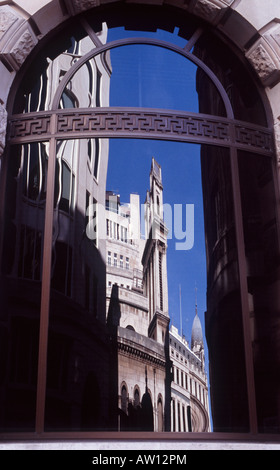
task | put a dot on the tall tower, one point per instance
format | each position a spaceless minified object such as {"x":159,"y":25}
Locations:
{"x":154,"y":258}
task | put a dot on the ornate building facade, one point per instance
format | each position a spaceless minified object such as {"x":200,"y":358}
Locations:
{"x":189,"y":388}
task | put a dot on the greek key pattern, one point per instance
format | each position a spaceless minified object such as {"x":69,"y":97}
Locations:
{"x":105,"y":122}
{"x":142,"y":123}
{"x":254,"y":138}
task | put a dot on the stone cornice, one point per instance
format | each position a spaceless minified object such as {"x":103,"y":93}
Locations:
{"x":139,"y":352}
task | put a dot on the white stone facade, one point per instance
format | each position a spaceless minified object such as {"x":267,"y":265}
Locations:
{"x":251,"y":26}
{"x":189,"y":389}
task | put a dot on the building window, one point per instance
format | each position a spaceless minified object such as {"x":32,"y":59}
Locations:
{"x":115,"y":259}
{"x":121,"y":261}
{"x":30,"y":253}
{"x":107,"y":227}
{"x":91,"y":218}
{"x":93,"y":146}
{"x":34,"y":171}
{"x":136,"y":398}
{"x":109,"y":259}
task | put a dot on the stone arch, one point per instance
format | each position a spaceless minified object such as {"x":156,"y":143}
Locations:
{"x":124,"y":396}
{"x":34,"y":22}
{"x":136,"y":396}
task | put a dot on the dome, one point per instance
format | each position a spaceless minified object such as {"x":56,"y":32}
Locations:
{"x":197,"y":337}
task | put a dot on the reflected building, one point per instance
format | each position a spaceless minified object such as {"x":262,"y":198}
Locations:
{"x":79,"y":383}
{"x":137,"y":305}
{"x":223,"y":320}
{"x":156,"y":367}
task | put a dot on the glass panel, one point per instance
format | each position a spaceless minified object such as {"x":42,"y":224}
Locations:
{"x":104,"y":315}
{"x":21,"y":271}
{"x":135,"y":75}
{"x":262,"y":251}
{"x":78,"y":351}
{"x":37,"y":89}
{"x":147,"y":76}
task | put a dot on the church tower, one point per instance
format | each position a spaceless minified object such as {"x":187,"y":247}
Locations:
{"x":154,"y":258}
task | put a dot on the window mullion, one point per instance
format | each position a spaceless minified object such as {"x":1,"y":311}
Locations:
{"x":46,"y":281}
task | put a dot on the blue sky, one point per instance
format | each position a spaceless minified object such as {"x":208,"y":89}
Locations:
{"x":149,"y":76}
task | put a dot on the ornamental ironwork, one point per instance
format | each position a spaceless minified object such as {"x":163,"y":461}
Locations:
{"x":141,"y":123}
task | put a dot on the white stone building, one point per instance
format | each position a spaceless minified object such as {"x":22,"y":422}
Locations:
{"x":136,"y":287}
{"x":138,"y":280}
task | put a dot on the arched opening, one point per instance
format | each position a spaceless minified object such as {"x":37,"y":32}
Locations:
{"x":227,"y":144}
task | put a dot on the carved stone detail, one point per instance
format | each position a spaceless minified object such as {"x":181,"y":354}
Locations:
{"x":23,"y":47}
{"x":277,"y":138}
{"x":206,"y":9}
{"x":19,"y":45}
{"x":264,"y":61}
{"x":78,"y":6}
{"x":272,"y":35}
{"x":7,"y":19}
{"x":210,"y":10}
{"x":3,"y":128}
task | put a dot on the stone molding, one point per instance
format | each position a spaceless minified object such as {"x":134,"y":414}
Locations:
{"x":75,"y":7}
{"x":8,"y":18}
{"x":277,"y":138}
{"x":264,"y":55}
{"x":210,"y":10}
{"x":128,"y":348}
{"x":207,"y":9}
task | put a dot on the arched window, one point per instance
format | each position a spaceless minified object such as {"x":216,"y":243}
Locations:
{"x":136,"y":397}
{"x":62,"y":110}
{"x":124,"y":398}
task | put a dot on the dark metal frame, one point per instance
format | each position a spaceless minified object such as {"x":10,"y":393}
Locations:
{"x":144,"y":124}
